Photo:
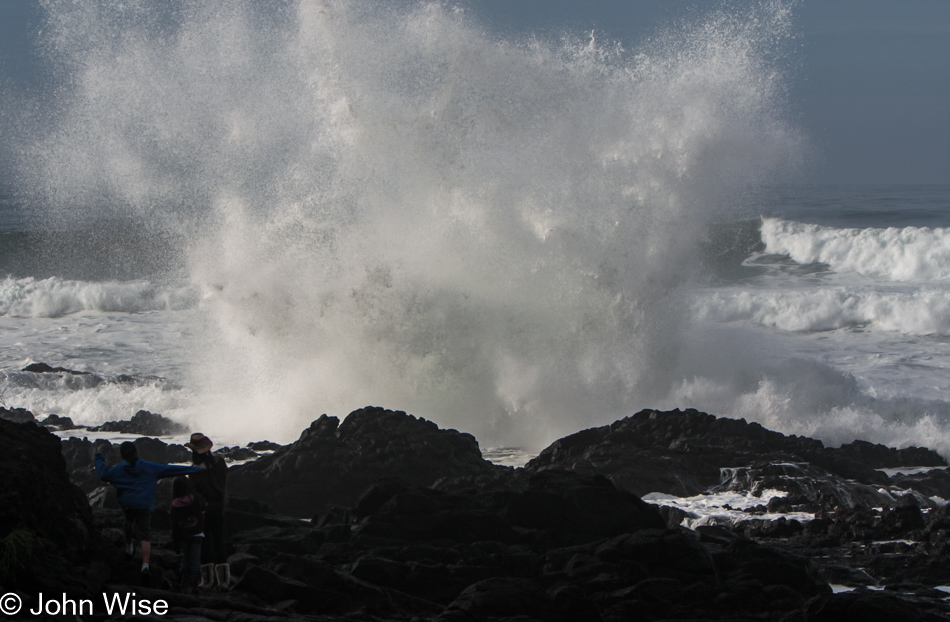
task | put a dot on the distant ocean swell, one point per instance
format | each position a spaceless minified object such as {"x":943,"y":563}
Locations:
{"x":912,"y":262}
{"x":921,"y":312}
{"x":817,"y":278}
{"x":896,"y":254}
{"x":54,"y":297}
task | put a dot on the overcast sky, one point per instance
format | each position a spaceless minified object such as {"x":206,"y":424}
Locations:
{"x":872,"y":91}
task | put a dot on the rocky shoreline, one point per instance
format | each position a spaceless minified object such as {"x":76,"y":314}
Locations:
{"x":384,"y":516}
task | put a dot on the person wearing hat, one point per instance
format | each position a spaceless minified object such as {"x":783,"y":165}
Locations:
{"x":211,"y":483}
{"x":135,"y":481}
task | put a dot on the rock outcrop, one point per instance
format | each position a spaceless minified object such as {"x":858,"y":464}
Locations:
{"x":415,"y":526}
{"x":17,"y":415}
{"x":684,"y":453}
{"x":144,"y":423}
{"x":44,"y":368}
{"x":77,"y":379}
{"x":332,"y":462}
{"x":46,"y":525}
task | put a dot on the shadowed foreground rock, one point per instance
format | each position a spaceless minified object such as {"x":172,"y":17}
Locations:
{"x":46,"y":526}
{"x":333,"y":462}
{"x":482,"y":543}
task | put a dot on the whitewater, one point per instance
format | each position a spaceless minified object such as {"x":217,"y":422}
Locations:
{"x":266,"y":213}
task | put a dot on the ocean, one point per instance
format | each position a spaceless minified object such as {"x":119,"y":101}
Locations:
{"x":264,"y":216}
{"x":827,"y":314}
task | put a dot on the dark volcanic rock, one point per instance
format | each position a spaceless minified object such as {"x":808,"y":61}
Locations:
{"x":43,"y":368}
{"x":555,"y":508}
{"x":414,"y":525}
{"x":270,"y":585}
{"x":746,"y":562}
{"x":883,"y":457}
{"x":78,"y":455}
{"x":84,"y":379}
{"x":333,"y":462}
{"x":144,"y":423}
{"x":45,"y":521}
{"x":866,"y":606}
{"x":812,"y":487}
{"x":232,"y":454}
{"x":263,"y":446}
{"x":73,"y":379}
{"x":499,"y":598}
{"x":60,"y":423}
{"x":17,"y":415}
{"x":155,"y":450}
{"x":670,"y":553}
{"x":932,"y":483}
{"x":902,"y":519}
{"x":576,"y":508}
{"x":682,"y":452}
{"x":414,"y":514}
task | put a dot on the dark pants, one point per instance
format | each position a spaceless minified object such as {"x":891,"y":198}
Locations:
{"x":138,"y":525}
{"x":191,"y":556}
{"x":214,"y":550}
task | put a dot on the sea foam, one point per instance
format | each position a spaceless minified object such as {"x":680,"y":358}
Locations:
{"x":917,"y":311}
{"x":55,"y":297}
{"x":897,"y":254}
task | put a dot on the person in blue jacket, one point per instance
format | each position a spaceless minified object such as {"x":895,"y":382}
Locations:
{"x":134,"y":481}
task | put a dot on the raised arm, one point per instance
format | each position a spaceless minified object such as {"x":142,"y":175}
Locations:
{"x":171,"y":470}
{"x":102,"y":470}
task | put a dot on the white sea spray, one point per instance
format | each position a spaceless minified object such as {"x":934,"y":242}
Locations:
{"x":383,"y":204}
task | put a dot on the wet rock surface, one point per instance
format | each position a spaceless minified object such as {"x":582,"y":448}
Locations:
{"x":79,"y":379}
{"x":44,"y":368}
{"x":448,"y":537}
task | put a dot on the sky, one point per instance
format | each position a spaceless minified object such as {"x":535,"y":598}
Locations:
{"x":871,"y":85}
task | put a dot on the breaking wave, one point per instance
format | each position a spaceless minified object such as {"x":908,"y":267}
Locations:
{"x":55,"y":297}
{"x":896,"y":254}
{"x":919,"y":311}
{"x":382,"y":203}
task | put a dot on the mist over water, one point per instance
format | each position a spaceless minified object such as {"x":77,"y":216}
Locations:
{"x":385,"y":204}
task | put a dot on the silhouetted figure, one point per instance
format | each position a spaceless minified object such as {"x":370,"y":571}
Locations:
{"x":188,"y":524}
{"x":211,"y":483}
{"x":134,"y":481}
